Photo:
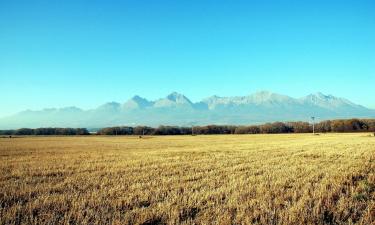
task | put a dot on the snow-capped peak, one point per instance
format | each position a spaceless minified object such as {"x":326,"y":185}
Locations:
{"x":326,"y":101}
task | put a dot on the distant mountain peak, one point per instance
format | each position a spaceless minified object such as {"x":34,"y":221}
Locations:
{"x":175,"y":93}
{"x":320,"y":95}
{"x":327,"y":101}
{"x":174,"y":99}
{"x":137,"y":98}
{"x":137,"y":102}
{"x":111,"y":104}
{"x":268,"y":97}
{"x":177,"y":97}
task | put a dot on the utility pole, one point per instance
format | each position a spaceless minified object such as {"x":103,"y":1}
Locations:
{"x":313,"y":123}
{"x":192,"y":127}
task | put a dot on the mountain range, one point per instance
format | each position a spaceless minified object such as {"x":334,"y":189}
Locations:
{"x":177,"y":109}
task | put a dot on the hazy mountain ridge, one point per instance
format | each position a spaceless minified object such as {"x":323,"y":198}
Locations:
{"x":177,"y":109}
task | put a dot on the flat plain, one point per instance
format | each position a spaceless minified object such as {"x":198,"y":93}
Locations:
{"x":212,"y":179}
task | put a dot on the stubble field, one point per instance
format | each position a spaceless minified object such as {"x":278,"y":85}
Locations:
{"x":227,"y":179}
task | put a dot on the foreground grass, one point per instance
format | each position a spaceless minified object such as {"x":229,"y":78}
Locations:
{"x":228,"y":179}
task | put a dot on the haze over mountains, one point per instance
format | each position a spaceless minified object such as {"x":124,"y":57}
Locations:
{"x":177,"y":109}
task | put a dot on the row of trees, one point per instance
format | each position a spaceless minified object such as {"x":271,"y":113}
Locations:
{"x":343,"y":125}
{"x":167,"y":130}
{"x":46,"y":131}
{"x":348,"y":125}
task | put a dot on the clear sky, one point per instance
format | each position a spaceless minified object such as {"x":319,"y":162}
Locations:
{"x":85,"y":53}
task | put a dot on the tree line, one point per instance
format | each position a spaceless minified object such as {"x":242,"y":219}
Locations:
{"x":341,"y":125}
{"x":46,"y":131}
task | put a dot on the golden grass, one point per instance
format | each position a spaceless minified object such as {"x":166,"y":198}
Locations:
{"x":228,"y":179}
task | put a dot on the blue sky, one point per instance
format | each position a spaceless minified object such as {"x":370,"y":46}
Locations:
{"x":85,"y":53}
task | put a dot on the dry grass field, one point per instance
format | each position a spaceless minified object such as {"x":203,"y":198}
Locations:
{"x":227,"y":179}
